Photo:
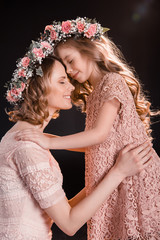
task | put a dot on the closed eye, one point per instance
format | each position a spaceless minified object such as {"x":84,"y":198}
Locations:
{"x":63,"y":80}
{"x":70,"y":61}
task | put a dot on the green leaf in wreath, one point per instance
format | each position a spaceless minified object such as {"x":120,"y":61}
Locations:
{"x":39,"y":72}
{"x":105,"y":30}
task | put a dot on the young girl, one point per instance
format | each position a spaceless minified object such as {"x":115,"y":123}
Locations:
{"x":117,"y":114}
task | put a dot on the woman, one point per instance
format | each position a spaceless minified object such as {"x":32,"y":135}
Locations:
{"x":31,"y":194}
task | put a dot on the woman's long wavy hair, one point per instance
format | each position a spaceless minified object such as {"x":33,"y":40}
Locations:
{"x":109,"y":59}
{"x":33,"y":107}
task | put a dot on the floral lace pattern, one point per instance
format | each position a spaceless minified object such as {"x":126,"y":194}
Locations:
{"x":30,"y":181}
{"x":133,"y":209}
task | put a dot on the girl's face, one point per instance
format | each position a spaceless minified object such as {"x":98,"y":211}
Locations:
{"x":79,"y":67}
{"x":59,"y":96}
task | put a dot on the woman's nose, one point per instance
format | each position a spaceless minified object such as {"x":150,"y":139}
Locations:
{"x":70,"y":87}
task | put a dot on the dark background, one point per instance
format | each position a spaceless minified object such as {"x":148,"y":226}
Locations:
{"x":134,"y":28}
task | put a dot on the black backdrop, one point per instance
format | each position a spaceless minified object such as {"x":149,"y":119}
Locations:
{"x":134,"y":28}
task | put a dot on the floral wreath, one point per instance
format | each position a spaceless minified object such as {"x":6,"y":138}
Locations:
{"x":30,"y":64}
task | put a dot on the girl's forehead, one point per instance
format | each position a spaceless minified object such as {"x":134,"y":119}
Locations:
{"x":65,"y":52}
{"x":66,"y":47}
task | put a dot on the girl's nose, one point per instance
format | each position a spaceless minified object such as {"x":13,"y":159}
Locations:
{"x":69,"y":70}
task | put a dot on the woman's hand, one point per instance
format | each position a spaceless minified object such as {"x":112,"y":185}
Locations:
{"x":36,"y":136}
{"x":133,"y":160}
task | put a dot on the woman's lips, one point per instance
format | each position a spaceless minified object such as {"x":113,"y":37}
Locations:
{"x":68,"y":97}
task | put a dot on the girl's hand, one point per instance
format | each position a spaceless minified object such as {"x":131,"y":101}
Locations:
{"x":133,"y":160}
{"x":42,"y":139}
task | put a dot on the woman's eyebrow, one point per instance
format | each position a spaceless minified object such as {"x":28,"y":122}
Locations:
{"x":62,"y":77}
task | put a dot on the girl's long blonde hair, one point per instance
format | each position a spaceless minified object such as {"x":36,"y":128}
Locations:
{"x":109,"y":59}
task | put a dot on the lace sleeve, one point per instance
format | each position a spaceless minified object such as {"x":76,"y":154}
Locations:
{"x":40,"y":173}
{"x":114,"y":86}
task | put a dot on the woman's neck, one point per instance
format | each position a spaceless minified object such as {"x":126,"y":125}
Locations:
{"x":20,"y":125}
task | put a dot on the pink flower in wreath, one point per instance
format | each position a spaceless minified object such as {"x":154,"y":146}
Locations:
{"x":22,"y":73}
{"x":49,"y":27}
{"x":91,"y":31}
{"x":10,"y":97}
{"x":80,"y":27}
{"x":25,"y":61}
{"x":66,"y":26}
{"x":46,"y":45}
{"x":53,"y":35}
{"x":38,"y":52}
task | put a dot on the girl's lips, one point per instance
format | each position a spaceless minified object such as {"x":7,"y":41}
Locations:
{"x":75,"y":75}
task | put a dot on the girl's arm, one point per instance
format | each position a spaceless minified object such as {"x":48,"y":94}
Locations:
{"x":76,"y":199}
{"x":73,"y":150}
{"x":70,"y":217}
{"x":96,"y":135}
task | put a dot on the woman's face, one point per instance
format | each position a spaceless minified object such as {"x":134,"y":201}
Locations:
{"x":59,"y":96}
{"x":79,"y":67}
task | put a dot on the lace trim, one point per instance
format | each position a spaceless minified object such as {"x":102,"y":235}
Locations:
{"x":31,"y":169}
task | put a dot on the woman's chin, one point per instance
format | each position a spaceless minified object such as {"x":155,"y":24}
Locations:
{"x":67,"y":107}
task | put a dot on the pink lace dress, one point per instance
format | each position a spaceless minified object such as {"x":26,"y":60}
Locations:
{"x":132,"y":212}
{"x":30,"y":181}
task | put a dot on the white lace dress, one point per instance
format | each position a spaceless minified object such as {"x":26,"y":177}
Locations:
{"x":30,"y":181}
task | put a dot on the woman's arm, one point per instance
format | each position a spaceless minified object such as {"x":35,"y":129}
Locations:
{"x":69,"y":218}
{"x":96,"y":135}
